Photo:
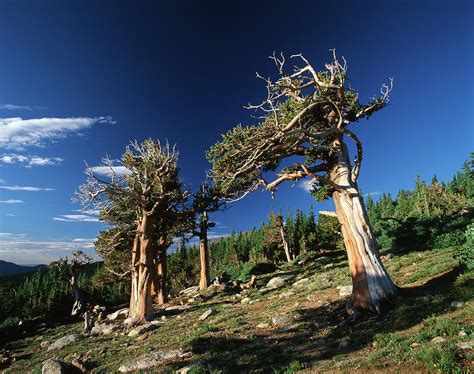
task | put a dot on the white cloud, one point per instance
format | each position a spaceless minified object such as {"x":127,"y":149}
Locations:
{"x":25,"y":188}
{"x":372,"y":193}
{"x":76,"y":218}
{"x":84,"y":240}
{"x":18,"y":133}
{"x":10,"y":215}
{"x":42,"y":252}
{"x":306,"y":185}
{"x":15,"y":107}
{"x":29,"y":161}
{"x":90,"y":212}
{"x":11,"y":201}
{"x":107,"y":171}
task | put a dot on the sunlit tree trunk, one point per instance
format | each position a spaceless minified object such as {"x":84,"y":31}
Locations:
{"x":141,"y":301}
{"x":162,"y":292}
{"x":371,"y":283}
{"x":286,"y":247}
{"x":204,"y":254}
{"x":78,"y":305}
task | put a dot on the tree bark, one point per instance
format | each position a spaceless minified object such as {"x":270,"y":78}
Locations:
{"x":286,"y":247}
{"x":141,"y":301}
{"x":162,"y":292}
{"x":78,"y":305}
{"x":371,"y":283}
{"x":204,"y":255}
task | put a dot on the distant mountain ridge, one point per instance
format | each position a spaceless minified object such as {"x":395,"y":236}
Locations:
{"x":9,"y":268}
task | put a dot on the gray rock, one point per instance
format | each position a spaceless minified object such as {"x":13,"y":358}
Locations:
{"x":177,"y":307}
{"x":301,"y":283}
{"x":152,"y":359}
{"x":276,"y":282}
{"x":206,"y":314}
{"x":44,"y":344}
{"x":462,"y":334}
{"x":457,"y":304}
{"x":119,"y":314}
{"x":281,"y":320}
{"x":140,"y":330}
{"x":53,"y":366}
{"x":344,"y":291}
{"x":468,"y":344}
{"x":414,"y":345}
{"x":329,"y":266}
{"x":438,"y":340}
{"x":64,"y":341}
{"x":245,"y":300}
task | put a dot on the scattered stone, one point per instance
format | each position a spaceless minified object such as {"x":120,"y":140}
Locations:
{"x":206,"y":314}
{"x":152,"y":359}
{"x":457,"y":304}
{"x":177,"y":307}
{"x":344,"y":291}
{"x":329,"y":266}
{"x":438,"y":340}
{"x":388,"y":256}
{"x":344,"y":343}
{"x":414,"y":345}
{"x":254,"y":301}
{"x":119,"y":314}
{"x":263,"y":325}
{"x":64,"y":341}
{"x":276,"y":282}
{"x":140,"y":330}
{"x":286,"y":294}
{"x":468,"y":344}
{"x":462,"y":334}
{"x":301,"y":283}
{"x":245,"y":300}
{"x":281,"y":320}
{"x":130,"y":321}
{"x":53,"y":366}
{"x":44,"y":344}
{"x":188,"y":368}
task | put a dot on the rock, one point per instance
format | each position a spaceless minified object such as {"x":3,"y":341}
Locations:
{"x":462,"y":334}
{"x":329,"y":266}
{"x":64,"y":341}
{"x":468,"y":344}
{"x":457,"y":304}
{"x":189,"y":290}
{"x":263,"y":325}
{"x":177,"y":307}
{"x":388,"y":256}
{"x":119,"y":314}
{"x":301,"y":283}
{"x":438,"y":340}
{"x":130,"y":321}
{"x":53,"y":366}
{"x":344,"y":343}
{"x":344,"y":291}
{"x":276,"y":282}
{"x":281,"y":320}
{"x":109,"y":329}
{"x":140,"y":330}
{"x":188,"y":368}
{"x":286,"y":294}
{"x":44,"y":344}
{"x":206,"y":314}
{"x":414,"y":345}
{"x":245,"y":300}
{"x":152,"y":359}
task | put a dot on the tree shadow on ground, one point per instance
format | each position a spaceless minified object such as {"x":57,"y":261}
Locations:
{"x":318,"y":333}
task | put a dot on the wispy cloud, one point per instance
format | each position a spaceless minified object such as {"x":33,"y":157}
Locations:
{"x":107,"y":171}
{"x":30,"y":161}
{"x":17,"y":133}
{"x":306,"y":185}
{"x":9,"y":215}
{"x":372,"y":193}
{"x":11,"y":201}
{"x":76,"y":218}
{"x":25,"y":188}
{"x":41,"y":252}
{"x":15,"y":107}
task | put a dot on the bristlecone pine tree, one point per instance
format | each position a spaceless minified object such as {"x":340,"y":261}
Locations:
{"x":151,"y":189}
{"x":306,"y":117}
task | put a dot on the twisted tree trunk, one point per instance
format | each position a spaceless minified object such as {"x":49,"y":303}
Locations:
{"x":204,"y":254}
{"x":143,"y":273}
{"x":371,"y":283}
{"x":78,"y":305}
{"x":162,"y":292}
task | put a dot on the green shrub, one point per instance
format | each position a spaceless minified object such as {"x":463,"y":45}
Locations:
{"x":466,"y":252}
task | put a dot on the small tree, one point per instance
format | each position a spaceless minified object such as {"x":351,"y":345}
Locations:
{"x":68,"y":271}
{"x":151,"y":190}
{"x":306,"y":117}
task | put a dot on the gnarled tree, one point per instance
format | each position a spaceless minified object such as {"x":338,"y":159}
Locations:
{"x":152,"y":190}
{"x":305,"y":121}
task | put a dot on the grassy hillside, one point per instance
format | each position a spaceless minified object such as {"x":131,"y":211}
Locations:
{"x":242,"y":337}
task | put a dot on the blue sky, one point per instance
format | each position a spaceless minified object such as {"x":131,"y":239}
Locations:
{"x":80,"y":79}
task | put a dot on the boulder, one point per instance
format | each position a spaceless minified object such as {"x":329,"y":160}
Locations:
{"x":301,"y":283}
{"x":457,"y":304}
{"x":276,"y":282}
{"x":206,"y":314}
{"x":245,"y":300}
{"x":140,"y":330}
{"x":438,"y":340}
{"x":466,"y":345}
{"x":53,"y":366}
{"x":152,"y":359}
{"x":263,"y":325}
{"x":64,"y":341}
{"x":344,"y":291}
{"x":119,"y":314}
{"x":281,"y":320}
